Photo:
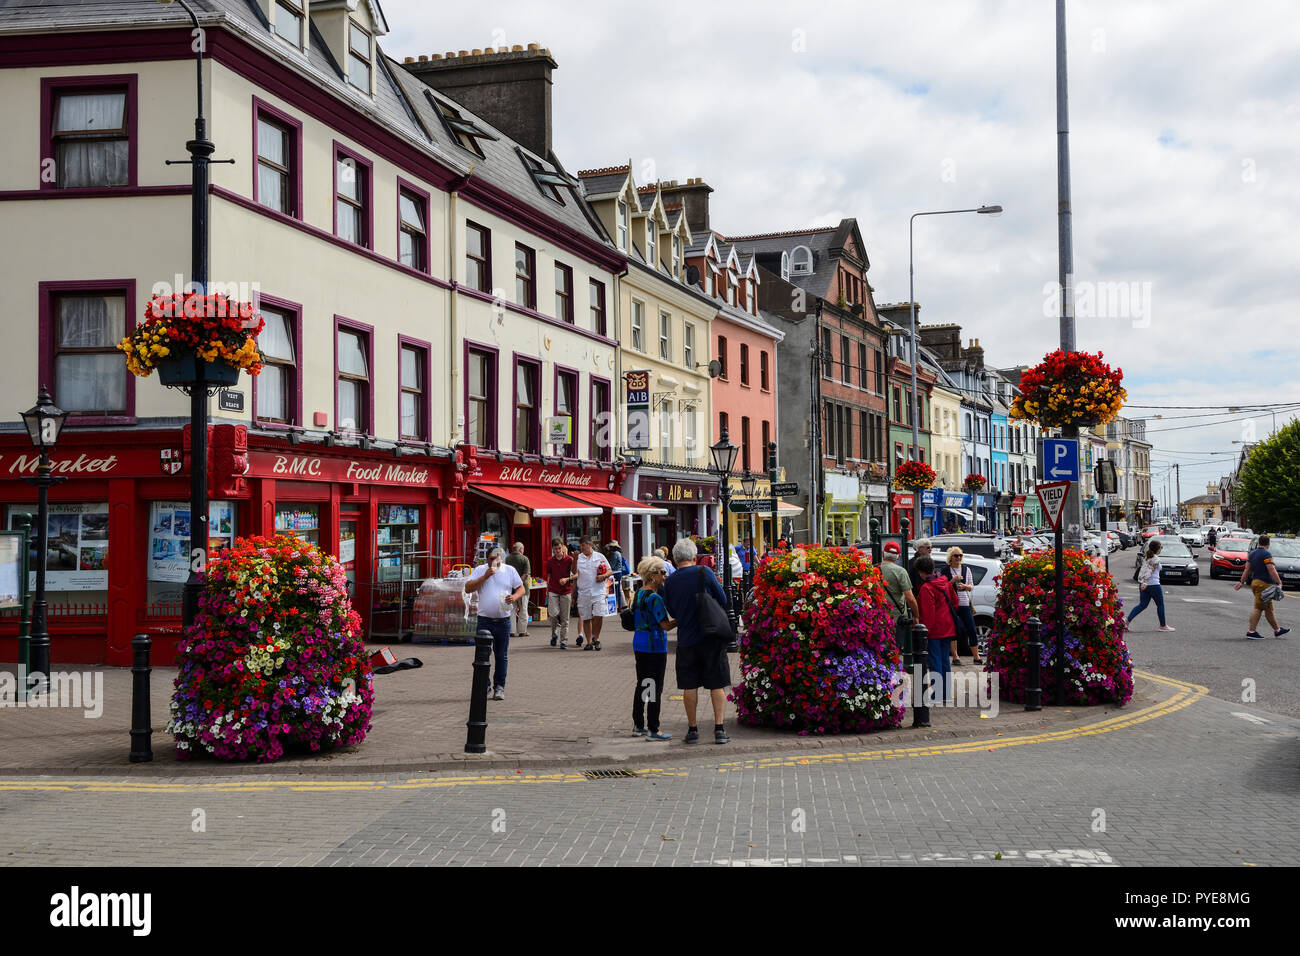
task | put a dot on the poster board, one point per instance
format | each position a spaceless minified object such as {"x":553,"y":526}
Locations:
{"x":76,"y":553}
{"x":169,"y":537}
{"x":13,"y":562}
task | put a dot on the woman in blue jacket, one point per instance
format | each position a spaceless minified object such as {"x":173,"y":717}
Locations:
{"x":650,"y":645}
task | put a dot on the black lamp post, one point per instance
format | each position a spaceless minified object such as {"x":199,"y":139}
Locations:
{"x":44,"y":422}
{"x":200,"y":149}
{"x":724,"y":456}
{"x":774,"y":528}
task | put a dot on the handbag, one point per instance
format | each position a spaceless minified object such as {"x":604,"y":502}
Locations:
{"x":710,"y":615}
{"x":628,"y":615}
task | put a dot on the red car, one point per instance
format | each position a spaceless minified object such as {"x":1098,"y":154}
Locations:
{"x":1151,"y":531}
{"x":1228,"y":557}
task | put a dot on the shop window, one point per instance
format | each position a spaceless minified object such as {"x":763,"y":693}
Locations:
{"x":168,"y":559}
{"x":300,"y":519}
{"x":277,"y":172}
{"x":566,"y":406}
{"x":480,"y":398}
{"x":89,"y":125}
{"x":528,"y":427}
{"x":413,"y":411}
{"x":353,"y":408}
{"x":76,"y":554}
{"x":413,"y":229}
{"x":276,"y":391}
{"x":89,"y":375}
{"x":398,"y":542}
{"x":352,"y":195}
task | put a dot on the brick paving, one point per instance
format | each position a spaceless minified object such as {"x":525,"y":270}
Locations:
{"x":562,"y":709}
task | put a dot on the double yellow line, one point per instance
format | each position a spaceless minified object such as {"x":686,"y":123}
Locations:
{"x":1184,"y":694}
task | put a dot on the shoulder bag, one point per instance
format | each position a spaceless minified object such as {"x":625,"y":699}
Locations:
{"x":710,"y":616}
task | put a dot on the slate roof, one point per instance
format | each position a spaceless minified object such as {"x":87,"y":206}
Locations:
{"x":599,"y":187}
{"x":399,"y":102}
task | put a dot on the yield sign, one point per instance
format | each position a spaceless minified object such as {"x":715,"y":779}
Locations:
{"x":1052,"y":495}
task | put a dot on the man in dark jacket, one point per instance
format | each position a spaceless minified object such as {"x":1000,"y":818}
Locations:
{"x":700,"y":662}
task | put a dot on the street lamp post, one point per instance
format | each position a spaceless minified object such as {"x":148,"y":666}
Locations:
{"x":747,"y":484}
{"x":44,"y":422}
{"x":724,"y":456}
{"x":200,"y":149}
{"x":774,"y":529}
{"x":911,"y":304}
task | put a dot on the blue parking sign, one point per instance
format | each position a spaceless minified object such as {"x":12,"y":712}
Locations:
{"x":1060,"y":459}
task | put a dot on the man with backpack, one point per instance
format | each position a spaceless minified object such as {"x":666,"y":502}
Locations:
{"x":701,"y":661}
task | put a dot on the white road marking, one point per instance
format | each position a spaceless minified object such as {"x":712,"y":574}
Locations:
{"x":1055,"y":857}
{"x":1251,"y":717}
{"x":1204,"y":601}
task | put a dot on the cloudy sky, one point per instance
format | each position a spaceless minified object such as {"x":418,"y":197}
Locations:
{"x":1184,"y":139}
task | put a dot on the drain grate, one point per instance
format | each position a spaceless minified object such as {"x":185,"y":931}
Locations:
{"x":605,"y":774}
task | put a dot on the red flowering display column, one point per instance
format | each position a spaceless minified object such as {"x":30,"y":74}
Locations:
{"x":818,"y":654}
{"x":274,"y":660}
{"x":1098,"y":669}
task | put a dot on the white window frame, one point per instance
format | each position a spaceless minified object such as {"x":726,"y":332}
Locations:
{"x":651,"y":243}
{"x":638,"y":325}
{"x":688,"y":345}
{"x":622,"y":225}
{"x":665,"y":335}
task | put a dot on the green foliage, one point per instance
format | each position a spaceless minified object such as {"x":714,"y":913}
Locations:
{"x":1267,"y":490}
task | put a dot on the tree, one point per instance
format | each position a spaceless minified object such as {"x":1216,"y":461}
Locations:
{"x":1267,"y":489}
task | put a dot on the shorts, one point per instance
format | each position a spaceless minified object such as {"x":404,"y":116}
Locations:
{"x":592,"y":605}
{"x":703,"y":664}
{"x":1257,"y":588}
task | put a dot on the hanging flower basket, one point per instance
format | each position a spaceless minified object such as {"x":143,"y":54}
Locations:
{"x":915,"y":475}
{"x":181,"y":331}
{"x":1070,"y":389}
{"x":974,"y":482}
{"x":182,"y":368}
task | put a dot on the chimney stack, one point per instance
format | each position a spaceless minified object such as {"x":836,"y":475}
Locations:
{"x":694,"y":197}
{"x":510,"y":89}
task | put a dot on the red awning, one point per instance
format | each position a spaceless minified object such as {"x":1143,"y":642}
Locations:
{"x":617,"y":504}
{"x":541,"y":502}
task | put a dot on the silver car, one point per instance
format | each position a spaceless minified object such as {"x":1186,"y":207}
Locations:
{"x":1192,"y":537}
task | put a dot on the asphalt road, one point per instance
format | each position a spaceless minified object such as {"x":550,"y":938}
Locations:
{"x":1209,"y":647}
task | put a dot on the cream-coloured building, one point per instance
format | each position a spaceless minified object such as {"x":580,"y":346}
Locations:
{"x":663,"y":330}
{"x":432,"y":287}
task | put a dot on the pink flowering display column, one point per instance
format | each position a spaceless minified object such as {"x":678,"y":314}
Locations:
{"x":818,"y":655}
{"x":274,"y":661}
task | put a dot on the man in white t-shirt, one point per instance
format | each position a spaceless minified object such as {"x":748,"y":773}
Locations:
{"x":593,"y":570}
{"x":499,"y":588}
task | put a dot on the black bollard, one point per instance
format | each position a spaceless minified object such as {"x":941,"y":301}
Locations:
{"x":476,"y":737}
{"x":141,"y":731}
{"x":1034,"y":676}
{"x":920,"y":667}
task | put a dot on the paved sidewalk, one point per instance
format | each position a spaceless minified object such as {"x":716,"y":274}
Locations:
{"x":563,"y":709}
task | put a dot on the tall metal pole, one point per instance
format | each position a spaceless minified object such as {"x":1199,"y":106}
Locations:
{"x":39,"y":649}
{"x":1072,"y":519}
{"x":200,"y":150}
{"x":774,"y":532}
{"x":1178,"y":491}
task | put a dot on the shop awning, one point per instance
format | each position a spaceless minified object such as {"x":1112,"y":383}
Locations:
{"x":617,"y":504}
{"x":965,"y":515}
{"x":541,"y":502}
{"x":786,"y":508}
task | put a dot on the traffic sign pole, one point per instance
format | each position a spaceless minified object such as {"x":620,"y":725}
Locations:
{"x":1060,"y":618}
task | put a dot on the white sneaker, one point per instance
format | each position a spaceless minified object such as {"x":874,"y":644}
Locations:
{"x":499,"y":693}
{"x":1165,"y":627}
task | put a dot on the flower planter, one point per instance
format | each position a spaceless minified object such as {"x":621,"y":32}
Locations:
{"x":183,"y":370}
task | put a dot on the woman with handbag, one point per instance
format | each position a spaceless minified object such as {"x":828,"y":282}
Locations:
{"x":650,"y":645}
{"x":963,"y":583}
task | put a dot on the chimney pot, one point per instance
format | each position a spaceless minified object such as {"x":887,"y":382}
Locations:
{"x":503,"y":49}
{"x":423,"y":58}
{"x":533,"y":46}
{"x":463,"y":53}
{"x":517,"y":48}
{"x":477,"y":53}
{"x":409,"y":59}
{"x":435,"y":56}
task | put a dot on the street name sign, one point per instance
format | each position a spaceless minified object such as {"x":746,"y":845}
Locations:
{"x":1061,"y":459}
{"x":785,"y":489}
{"x":1052,"y":495}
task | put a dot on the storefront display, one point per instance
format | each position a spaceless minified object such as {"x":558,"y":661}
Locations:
{"x":168,"y":563}
{"x":11,"y":570}
{"x":76,"y":556}
{"x":301,"y":520}
{"x":397,"y":543}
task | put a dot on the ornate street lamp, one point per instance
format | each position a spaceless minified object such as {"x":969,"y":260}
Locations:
{"x":44,"y":422}
{"x":748,"y":483}
{"x":724,"y":457}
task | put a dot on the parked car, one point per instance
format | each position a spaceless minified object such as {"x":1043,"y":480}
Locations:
{"x":1286,"y":558}
{"x":986,"y":573}
{"x":1191,"y":537}
{"x":984,"y":545}
{"x":1126,"y":539}
{"x":1112,"y":542}
{"x":1228,"y":557}
{"x":1177,"y":563}
{"x":1150,"y":531}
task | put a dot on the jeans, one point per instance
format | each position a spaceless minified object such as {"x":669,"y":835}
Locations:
{"x":652,"y":666}
{"x":940,"y":665}
{"x":499,"y":628}
{"x":557,"y":607}
{"x":1151,"y":593}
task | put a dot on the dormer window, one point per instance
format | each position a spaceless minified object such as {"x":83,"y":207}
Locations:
{"x":785,"y":265}
{"x":360,"y":45}
{"x":801,"y":261}
{"x":751,"y":298}
{"x":622,"y":225}
{"x":547,"y":181}
{"x":709,"y":282}
{"x":651,"y":245}
{"x":287,"y":20}
{"x":677,"y":257}
{"x":465,"y":133}
{"x":731,"y":288}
